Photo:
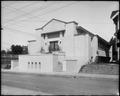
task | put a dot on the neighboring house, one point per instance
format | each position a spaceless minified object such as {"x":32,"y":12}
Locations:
{"x":62,"y":47}
{"x":116,"y":46}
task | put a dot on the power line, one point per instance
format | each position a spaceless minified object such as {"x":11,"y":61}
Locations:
{"x":15,"y":9}
{"x":49,"y":11}
{"x":21,"y":25}
{"x":19,"y":31}
{"x":27,"y":13}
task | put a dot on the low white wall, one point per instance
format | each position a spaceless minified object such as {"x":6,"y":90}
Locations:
{"x":14,"y":64}
{"x":41,"y":63}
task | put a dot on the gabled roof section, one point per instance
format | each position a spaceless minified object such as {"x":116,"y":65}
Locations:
{"x":51,"y":21}
{"x":81,"y":28}
{"x":86,"y":31}
{"x":58,"y":21}
{"x":103,"y":41}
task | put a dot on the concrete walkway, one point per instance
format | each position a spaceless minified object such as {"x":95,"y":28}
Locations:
{"x":6,"y":90}
{"x":63,"y":74}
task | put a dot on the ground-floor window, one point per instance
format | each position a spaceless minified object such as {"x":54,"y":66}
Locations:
{"x":39,"y":65}
{"x":34,"y":65}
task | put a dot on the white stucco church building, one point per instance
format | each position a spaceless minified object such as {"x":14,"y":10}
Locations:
{"x":62,"y":47}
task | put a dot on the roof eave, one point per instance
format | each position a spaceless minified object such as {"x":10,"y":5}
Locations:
{"x":79,"y":27}
{"x":49,"y":22}
{"x":103,"y":39}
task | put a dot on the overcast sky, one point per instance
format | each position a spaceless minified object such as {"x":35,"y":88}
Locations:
{"x":21,"y":18}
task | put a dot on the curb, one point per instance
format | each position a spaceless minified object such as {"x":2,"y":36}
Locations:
{"x":65,"y":75}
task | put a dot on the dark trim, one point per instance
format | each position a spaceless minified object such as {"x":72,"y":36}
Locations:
{"x":31,"y":40}
{"x":73,"y":22}
{"x":53,"y":32}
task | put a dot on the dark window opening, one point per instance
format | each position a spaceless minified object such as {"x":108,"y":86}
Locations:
{"x":39,"y":65}
{"x":53,"y":46}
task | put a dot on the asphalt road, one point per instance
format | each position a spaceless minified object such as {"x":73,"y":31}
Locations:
{"x":61,"y":85}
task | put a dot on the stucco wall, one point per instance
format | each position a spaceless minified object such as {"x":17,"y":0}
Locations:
{"x":81,"y":51}
{"x":34,"y":47}
{"x":58,"y":61}
{"x":69,"y":40}
{"x":80,"y":48}
{"x":71,"y":66}
{"x":55,"y":63}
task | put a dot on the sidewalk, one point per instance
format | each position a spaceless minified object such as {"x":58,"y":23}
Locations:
{"x":6,"y":90}
{"x":63,"y":74}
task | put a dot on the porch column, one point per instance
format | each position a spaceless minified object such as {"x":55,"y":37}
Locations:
{"x":46,"y":44}
{"x":88,"y":47}
{"x":94,"y":47}
{"x":61,"y":41}
{"x":110,"y":53}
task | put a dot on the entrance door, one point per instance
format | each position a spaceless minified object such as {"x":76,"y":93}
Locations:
{"x":54,"y":46}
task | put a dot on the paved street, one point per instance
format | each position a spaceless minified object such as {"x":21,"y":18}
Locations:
{"x":61,"y":85}
{"x":8,"y":90}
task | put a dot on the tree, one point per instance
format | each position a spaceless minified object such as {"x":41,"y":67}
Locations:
{"x":16,"y":49}
{"x":9,"y":52}
{"x":3,"y":52}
